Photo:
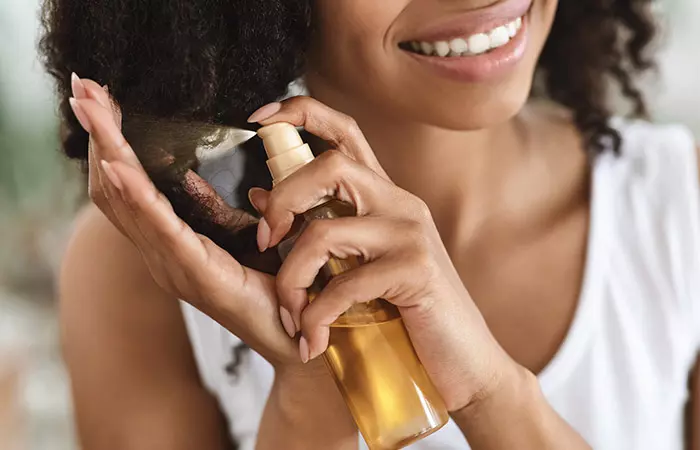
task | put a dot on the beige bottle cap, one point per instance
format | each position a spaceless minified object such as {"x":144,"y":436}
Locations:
{"x":285,"y":149}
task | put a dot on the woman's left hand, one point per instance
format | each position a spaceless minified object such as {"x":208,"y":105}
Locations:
{"x":406,"y":262}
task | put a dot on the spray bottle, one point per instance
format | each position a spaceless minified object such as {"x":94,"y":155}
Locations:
{"x":370,"y":355}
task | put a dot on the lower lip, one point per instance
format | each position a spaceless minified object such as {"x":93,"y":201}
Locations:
{"x":480,"y":68}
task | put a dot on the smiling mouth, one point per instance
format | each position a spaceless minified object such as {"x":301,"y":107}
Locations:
{"x":466,"y":46}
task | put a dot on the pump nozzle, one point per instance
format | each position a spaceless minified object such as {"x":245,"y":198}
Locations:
{"x":285,"y":149}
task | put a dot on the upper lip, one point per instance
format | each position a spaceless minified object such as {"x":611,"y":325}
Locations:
{"x":472,"y":22}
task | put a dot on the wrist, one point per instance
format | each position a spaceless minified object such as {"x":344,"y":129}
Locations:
{"x":515,"y":391}
{"x":516,"y":415}
{"x":302,"y":384}
{"x":306,"y":411}
{"x":307,"y":390}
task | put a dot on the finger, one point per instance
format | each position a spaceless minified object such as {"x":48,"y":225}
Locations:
{"x":348,"y":241}
{"x":103,"y":192}
{"x":155,"y":218}
{"x":332,"y":174}
{"x":86,"y":88}
{"x":98,"y":191}
{"x":233,"y":219}
{"x":108,"y":141}
{"x":394,"y":279}
{"x":336,"y":128}
{"x":95,"y":92}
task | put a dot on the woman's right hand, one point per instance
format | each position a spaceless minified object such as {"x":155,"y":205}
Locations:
{"x":185,"y":264}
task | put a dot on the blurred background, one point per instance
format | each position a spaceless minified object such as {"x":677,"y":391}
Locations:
{"x":40,"y":192}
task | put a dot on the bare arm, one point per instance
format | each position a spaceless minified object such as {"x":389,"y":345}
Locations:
{"x":516,"y":415}
{"x":135,"y":383}
{"x":305,"y":411}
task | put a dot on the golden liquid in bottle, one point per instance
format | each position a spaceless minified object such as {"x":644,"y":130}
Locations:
{"x":390,"y":396}
{"x":370,"y":355}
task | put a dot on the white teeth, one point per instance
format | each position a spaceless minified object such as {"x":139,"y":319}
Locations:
{"x":479,"y":43}
{"x":442,"y":48}
{"x":499,"y":37}
{"x":459,"y":46}
{"x":427,"y":48}
{"x":476,"y":44}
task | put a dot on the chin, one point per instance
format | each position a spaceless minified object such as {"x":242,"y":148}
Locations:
{"x":477,"y":112}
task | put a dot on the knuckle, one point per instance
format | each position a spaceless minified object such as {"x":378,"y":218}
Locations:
{"x":319,"y":230}
{"x":424,"y":264}
{"x":299,"y":100}
{"x":352,"y":128}
{"x":284,"y":280}
{"x":335,"y":161}
{"x":340,"y":286}
{"x":421,"y":208}
{"x":415,"y":233}
{"x":413,"y":229}
{"x":150,"y":199}
{"x":175,"y":237}
{"x":274,"y":202}
{"x":308,"y":320}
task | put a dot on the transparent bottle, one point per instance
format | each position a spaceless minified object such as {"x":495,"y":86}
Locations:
{"x":370,"y":355}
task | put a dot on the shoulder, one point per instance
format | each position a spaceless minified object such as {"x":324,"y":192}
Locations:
{"x":125,"y":344}
{"x":106,"y":291}
{"x":105,"y":287}
{"x":97,"y":252}
{"x":100,"y":264}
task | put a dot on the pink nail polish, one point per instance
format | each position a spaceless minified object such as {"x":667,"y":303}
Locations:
{"x":80,"y":114}
{"x":77,"y":86}
{"x":287,"y":322}
{"x":304,"y":350}
{"x":265,"y":112}
{"x":263,"y":235}
{"x":112,"y":175}
{"x":258,"y":199}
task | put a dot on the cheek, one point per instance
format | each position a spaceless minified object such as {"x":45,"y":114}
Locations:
{"x":351,"y":45}
{"x":356,"y":57}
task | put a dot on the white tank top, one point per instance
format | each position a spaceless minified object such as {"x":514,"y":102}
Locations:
{"x":620,"y":376}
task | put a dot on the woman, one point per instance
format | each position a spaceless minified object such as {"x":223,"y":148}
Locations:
{"x":529,"y":232}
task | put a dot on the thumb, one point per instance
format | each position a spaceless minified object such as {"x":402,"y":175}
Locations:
{"x":258,"y":198}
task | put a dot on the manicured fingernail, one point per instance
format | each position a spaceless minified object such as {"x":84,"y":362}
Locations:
{"x":98,"y":96}
{"x":263,"y":235}
{"x":112,"y":175}
{"x":80,"y":114}
{"x":77,"y":86}
{"x":304,"y":350}
{"x":106,"y":88}
{"x":258,"y":198}
{"x":265,"y":112}
{"x":287,"y":322}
